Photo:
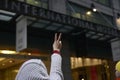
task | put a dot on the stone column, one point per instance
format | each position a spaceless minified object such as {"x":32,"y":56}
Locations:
{"x":66,"y":65}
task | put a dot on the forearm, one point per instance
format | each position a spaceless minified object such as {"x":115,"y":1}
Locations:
{"x":56,"y":71}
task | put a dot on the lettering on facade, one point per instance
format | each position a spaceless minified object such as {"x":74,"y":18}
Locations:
{"x":30,"y":10}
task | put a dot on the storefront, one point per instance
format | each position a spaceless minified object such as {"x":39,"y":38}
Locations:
{"x":41,"y":26}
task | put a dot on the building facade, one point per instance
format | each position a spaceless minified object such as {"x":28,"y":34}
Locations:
{"x":88,"y":27}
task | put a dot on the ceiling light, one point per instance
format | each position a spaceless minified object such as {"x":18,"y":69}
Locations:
{"x":11,"y":61}
{"x":88,"y":12}
{"x":3,"y":64}
{"x":7,"y":52}
{"x":29,"y":53}
{"x":82,"y":79}
{"x":1,"y":59}
{"x":93,"y":7}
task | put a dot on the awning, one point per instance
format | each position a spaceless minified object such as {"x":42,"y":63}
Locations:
{"x":49,"y":20}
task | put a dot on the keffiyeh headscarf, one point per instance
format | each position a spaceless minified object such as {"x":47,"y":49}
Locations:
{"x":33,"y":69}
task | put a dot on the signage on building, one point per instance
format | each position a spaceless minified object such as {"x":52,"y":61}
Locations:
{"x":30,"y":10}
{"x":115,"y":45}
{"x":21,"y":33}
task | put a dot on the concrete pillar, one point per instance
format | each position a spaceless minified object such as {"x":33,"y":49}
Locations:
{"x":58,"y":6}
{"x":66,"y":66}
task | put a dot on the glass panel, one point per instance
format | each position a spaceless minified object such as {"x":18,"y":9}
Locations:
{"x":10,"y":63}
{"x":44,"y":5}
{"x":7,"y":13}
{"x":34,"y":2}
{"x":85,"y":62}
{"x":83,"y":17}
{"x":105,"y":2}
{"x":9,"y":68}
{"x":39,"y":3}
{"x":85,"y":68}
{"x":77,"y":15}
{"x":86,"y":14}
{"x":5,"y":18}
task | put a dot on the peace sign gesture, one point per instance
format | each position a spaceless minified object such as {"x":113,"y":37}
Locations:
{"x":57,"y":42}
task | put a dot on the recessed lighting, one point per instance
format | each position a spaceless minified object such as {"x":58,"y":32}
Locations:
{"x":3,"y":64}
{"x":82,"y":79}
{"x":7,"y":52}
{"x":1,"y":59}
{"x":88,"y":12}
{"x":29,"y":53}
{"x":94,"y":9}
{"x":11,"y":61}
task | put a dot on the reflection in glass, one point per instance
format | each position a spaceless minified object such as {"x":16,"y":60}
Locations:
{"x":39,"y":3}
{"x":10,"y":66}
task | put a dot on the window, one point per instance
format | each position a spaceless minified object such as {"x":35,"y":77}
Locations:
{"x":39,"y":3}
{"x":104,"y":2}
{"x":76,"y":11}
{"x":87,"y":14}
{"x":85,"y":68}
{"x":9,"y":66}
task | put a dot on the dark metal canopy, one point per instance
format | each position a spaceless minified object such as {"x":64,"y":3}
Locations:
{"x":43,"y":19}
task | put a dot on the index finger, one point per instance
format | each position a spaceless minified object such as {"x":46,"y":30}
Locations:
{"x":59,"y":37}
{"x":55,"y":37}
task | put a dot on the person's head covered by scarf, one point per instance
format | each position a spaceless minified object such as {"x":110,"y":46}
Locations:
{"x":34,"y":69}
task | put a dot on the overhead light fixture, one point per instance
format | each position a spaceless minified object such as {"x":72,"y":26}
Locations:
{"x":11,"y":61}
{"x":7,"y":52}
{"x":3,"y":64}
{"x":93,"y":7}
{"x":1,"y":59}
{"x":82,"y":79}
{"x":88,"y":12}
{"x":29,"y":54}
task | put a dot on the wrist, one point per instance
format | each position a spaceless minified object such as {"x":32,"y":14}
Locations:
{"x":56,"y":51}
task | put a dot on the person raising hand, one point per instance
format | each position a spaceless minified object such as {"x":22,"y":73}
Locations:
{"x":35,"y":69}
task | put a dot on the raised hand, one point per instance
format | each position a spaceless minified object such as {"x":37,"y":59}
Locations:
{"x":57,"y":42}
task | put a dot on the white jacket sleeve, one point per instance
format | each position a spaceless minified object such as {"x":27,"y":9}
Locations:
{"x":56,"y":71}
